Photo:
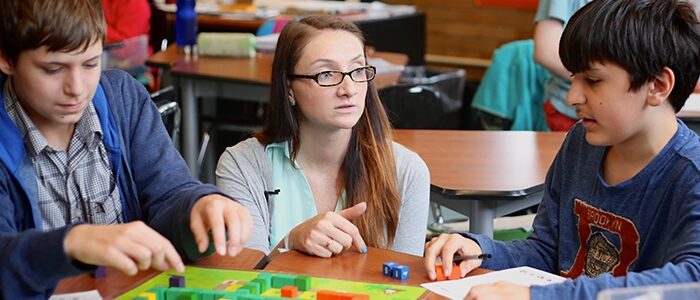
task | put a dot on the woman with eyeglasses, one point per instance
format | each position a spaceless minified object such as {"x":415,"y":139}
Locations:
{"x":324,"y":175}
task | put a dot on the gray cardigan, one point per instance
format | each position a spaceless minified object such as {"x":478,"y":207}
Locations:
{"x":244,"y":173}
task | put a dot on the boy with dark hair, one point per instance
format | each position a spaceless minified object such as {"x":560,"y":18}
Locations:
{"x":88,"y":174}
{"x":622,"y":198}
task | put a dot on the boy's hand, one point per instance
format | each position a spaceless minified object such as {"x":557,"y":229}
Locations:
{"x":446,"y":246}
{"x":222,"y":216}
{"x":499,"y":290}
{"x":128,"y":247}
{"x":329,"y":233}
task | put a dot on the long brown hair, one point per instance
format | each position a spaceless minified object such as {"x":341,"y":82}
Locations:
{"x":369,"y":166}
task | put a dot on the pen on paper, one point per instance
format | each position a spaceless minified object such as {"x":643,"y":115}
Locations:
{"x":460,"y":258}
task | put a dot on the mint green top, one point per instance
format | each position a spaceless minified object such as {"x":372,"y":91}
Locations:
{"x":245,"y":172}
{"x":297,"y":203}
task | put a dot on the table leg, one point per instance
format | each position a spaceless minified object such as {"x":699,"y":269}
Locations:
{"x":481,"y":215}
{"x":190,"y":130}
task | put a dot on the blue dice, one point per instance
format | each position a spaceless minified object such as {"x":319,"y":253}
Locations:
{"x":395,"y":270}
{"x":388,"y":266}
{"x":400,"y":272}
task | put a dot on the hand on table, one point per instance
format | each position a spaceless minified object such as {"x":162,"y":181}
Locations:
{"x":499,"y":290}
{"x":223,"y":217}
{"x":446,"y":246}
{"x":329,"y":233}
{"x":127,"y":247}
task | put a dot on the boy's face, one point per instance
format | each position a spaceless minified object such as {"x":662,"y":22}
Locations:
{"x":54,"y":88}
{"x":610,"y":112}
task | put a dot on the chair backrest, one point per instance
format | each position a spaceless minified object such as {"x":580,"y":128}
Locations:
{"x":166,"y":101}
{"x":413,"y":106}
{"x":450,"y":84}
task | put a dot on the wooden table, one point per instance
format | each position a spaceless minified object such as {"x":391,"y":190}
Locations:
{"x":484,"y":174}
{"x":350,"y":265}
{"x":240,"y":78}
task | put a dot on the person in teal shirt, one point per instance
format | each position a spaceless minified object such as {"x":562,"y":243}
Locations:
{"x":551,"y":17}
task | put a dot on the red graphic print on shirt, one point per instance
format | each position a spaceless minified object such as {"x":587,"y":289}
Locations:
{"x":596,"y":253}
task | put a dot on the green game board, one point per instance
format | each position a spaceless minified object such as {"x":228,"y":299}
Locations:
{"x":230,"y":280}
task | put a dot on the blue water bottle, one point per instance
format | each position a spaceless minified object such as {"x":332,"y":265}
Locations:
{"x":186,"y":25}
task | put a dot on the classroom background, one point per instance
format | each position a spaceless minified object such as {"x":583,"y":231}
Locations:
{"x":465,"y":65}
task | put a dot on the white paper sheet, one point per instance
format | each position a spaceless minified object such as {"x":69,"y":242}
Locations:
{"x":458,"y":289}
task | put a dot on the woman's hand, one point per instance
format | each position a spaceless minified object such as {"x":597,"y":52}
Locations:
{"x":329,"y":233}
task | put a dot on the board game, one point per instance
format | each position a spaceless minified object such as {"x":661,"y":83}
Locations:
{"x":200,"y":283}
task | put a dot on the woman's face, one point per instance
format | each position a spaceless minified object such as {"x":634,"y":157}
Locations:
{"x":329,"y":107}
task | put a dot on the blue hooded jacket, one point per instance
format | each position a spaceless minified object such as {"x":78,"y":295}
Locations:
{"x":154,"y":184}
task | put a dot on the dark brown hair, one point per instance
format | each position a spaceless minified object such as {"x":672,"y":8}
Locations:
{"x":60,"y":25}
{"x":369,"y":167}
{"x":641,"y":36}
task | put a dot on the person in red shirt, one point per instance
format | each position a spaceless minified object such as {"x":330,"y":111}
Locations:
{"x":126,"y":19}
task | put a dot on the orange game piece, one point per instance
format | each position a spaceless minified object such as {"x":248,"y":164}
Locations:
{"x":289,"y":291}
{"x":455,"y":273}
{"x":440,"y":274}
{"x":327,"y":295}
{"x":333,"y":295}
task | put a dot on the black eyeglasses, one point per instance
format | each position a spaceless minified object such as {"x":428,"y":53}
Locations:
{"x":331,"y":78}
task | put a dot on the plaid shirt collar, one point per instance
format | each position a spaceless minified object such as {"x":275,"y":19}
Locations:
{"x":88,"y":128}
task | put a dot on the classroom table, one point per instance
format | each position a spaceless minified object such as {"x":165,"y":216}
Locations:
{"x":484,"y":174}
{"x":349,"y":265}
{"x":245,"y":79}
